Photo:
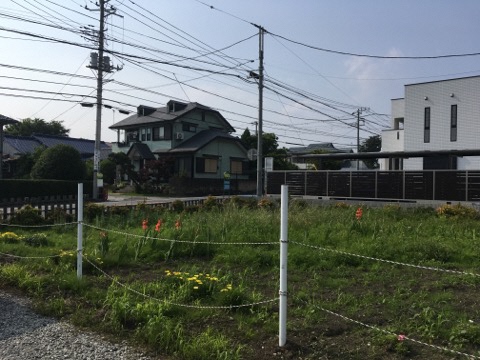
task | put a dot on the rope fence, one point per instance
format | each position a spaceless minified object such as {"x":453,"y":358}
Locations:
{"x":177,"y":240}
{"x":38,"y":226}
{"x":456,"y":272}
{"x":173,"y":303}
{"x":400,"y":337}
{"x":282,"y":292}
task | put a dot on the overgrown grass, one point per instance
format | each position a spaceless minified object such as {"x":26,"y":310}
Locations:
{"x":177,"y":281}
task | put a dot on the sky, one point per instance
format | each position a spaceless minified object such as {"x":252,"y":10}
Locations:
{"x":204,"y":50}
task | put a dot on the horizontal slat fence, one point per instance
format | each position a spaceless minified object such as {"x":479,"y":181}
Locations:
{"x":45,"y":205}
{"x":447,"y":185}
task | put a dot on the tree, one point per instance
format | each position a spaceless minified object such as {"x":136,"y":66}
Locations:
{"x":28,"y":126}
{"x":372,"y":144}
{"x":113,"y":168}
{"x":59,"y":162}
{"x":25,"y":163}
{"x":326,"y":164}
{"x":269,"y":149}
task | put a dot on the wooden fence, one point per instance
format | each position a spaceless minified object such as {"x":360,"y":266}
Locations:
{"x":448,"y":185}
{"x":68,"y":204}
{"x":45,"y":205}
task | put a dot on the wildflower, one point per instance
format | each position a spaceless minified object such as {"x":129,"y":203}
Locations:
{"x":178,"y":224}
{"x":158,"y":226}
{"x":195,"y":287}
{"x":401,"y":337}
{"x":359,"y":214}
{"x":144,"y":224}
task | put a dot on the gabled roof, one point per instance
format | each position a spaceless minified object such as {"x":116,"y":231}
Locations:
{"x":27,"y":144}
{"x":327,"y":147}
{"x":202,"y":139}
{"x":147,"y":115}
{"x":22,"y":144}
{"x":83,"y":146}
{"x":143,"y":150}
{"x":5,"y":120}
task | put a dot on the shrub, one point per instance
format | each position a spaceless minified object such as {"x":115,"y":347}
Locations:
{"x":177,"y":206}
{"x":92,"y":211}
{"x":60,"y":162}
{"x":10,"y":238}
{"x":38,"y":239}
{"x":59,"y":215}
{"x":266,"y":203}
{"x":458,"y":210}
{"x":27,"y":215}
{"x":210,"y":203}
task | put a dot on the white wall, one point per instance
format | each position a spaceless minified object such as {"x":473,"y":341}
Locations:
{"x":439,"y":96}
{"x":466,"y":95}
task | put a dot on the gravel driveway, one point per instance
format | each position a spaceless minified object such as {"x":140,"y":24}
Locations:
{"x":25,"y":335}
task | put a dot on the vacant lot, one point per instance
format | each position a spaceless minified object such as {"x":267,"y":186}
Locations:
{"x":203,"y":282}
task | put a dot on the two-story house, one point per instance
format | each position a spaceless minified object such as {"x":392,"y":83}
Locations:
{"x":195,"y":136}
{"x":441,"y":117}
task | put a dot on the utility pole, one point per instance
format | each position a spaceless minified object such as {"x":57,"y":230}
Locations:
{"x":359,"y":112}
{"x":102,"y":64}
{"x":261,"y":32}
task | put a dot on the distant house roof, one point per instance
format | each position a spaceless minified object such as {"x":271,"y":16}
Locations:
{"x":171,"y":112}
{"x":5,"y":120}
{"x":83,"y":146}
{"x":142,"y":150}
{"x":27,"y":144}
{"x":326,"y":147}
{"x":22,"y":144}
{"x":200,"y":140}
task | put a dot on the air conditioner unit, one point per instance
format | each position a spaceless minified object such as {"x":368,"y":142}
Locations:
{"x":179,"y":136}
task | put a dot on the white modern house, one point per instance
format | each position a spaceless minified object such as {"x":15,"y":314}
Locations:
{"x":437,"y":116}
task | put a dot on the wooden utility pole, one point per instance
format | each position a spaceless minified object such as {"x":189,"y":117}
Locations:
{"x":261,"y":32}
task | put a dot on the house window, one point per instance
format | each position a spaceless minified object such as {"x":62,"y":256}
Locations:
{"x":453,"y":123}
{"x":236,"y":167}
{"x":211,"y":165}
{"x":149,"y":134}
{"x":189,"y":127}
{"x":426,"y":128}
{"x":158,"y":133}
{"x":207,"y":165}
{"x":143,"y":134}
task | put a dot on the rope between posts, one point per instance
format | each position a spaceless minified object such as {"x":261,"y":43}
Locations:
{"x":31,"y":257}
{"x":386,"y":261}
{"x":178,"y":241}
{"x":38,"y":226}
{"x":400,"y":337}
{"x":173,"y":303}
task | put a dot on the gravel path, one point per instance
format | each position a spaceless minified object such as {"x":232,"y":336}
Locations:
{"x":25,"y":335}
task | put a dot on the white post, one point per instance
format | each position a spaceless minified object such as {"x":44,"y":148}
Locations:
{"x":282,"y":336}
{"x":79,"y":229}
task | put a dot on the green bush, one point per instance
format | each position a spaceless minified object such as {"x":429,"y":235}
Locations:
{"x":60,"y":162}
{"x":27,"y":215}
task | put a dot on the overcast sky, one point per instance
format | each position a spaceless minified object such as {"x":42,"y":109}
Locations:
{"x":203,"y":51}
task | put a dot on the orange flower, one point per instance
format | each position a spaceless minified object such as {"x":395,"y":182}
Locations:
{"x":144,"y":224}
{"x":178,"y":224}
{"x":359,"y":214}
{"x":159,"y":225}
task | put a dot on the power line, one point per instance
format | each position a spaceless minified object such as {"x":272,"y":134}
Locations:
{"x":374,"y":56}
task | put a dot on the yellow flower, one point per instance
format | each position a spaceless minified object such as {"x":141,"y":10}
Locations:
{"x":195,"y":287}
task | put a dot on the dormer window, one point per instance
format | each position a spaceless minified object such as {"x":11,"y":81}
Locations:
{"x":174,"y":106}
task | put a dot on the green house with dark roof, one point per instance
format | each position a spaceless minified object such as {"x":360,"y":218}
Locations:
{"x":196,"y":137}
